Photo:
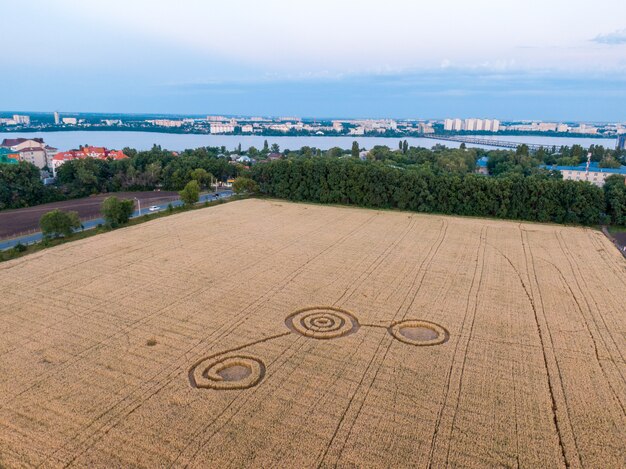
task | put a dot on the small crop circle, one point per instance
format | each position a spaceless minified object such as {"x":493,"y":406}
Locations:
{"x":227,"y":372}
{"x":322,"y":322}
{"x":417,"y":332}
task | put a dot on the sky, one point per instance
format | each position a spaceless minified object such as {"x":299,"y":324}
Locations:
{"x":536,"y":59}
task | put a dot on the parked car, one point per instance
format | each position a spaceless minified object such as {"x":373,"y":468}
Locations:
{"x":154,"y":208}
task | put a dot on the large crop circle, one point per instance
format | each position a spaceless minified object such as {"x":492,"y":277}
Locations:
{"x":227,"y":372}
{"x":322,"y":322}
{"x":417,"y":332}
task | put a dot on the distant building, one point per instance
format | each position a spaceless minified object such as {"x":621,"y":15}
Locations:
{"x":596,"y":175}
{"x":57,"y":120}
{"x":165,"y":123}
{"x":20,"y":119}
{"x":70,"y":120}
{"x":34,"y":150}
{"x":99,"y":153}
{"x":337,"y":126}
{"x":222,"y":128}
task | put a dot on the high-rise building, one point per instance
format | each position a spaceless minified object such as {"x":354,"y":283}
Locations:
{"x":621,"y":142}
{"x":19,"y":119}
{"x":447,"y":124}
{"x":470,"y":125}
{"x":57,"y":120}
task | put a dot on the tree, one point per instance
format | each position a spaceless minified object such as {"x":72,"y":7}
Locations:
{"x":615,"y":196}
{"x":275,"y":148}
{"x":245,"y":185}
{"x":117,"y":211}
{"x":266,"y":147}
{"x":202,"y":176}
{"x":58,"y":223}
{"x":191,"y":193}
{"x":355,"y":149}
{"x":405,"y":147}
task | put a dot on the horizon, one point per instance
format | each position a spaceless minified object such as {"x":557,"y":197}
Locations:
{"x":277,"y":58}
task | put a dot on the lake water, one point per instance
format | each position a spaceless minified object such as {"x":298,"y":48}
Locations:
{"x":178,"y":142}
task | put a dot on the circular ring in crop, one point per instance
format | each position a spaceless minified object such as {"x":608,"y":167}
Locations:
{"x":227,"y":372}
{"x":417,"y":332}
{"x":322,"y":322}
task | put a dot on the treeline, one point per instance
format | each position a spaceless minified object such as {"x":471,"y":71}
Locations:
{"x":375,"y":184}
{"x":21,"y":186}
{"x":142,"y":171}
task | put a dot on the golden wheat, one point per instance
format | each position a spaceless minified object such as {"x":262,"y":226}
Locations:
{"x":269,"y":334}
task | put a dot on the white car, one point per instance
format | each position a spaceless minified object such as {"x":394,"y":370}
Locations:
{"x":154,"y":208}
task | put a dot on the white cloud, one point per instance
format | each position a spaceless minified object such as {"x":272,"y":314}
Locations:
{"x":287,"y":36}
{"x":614,"y":38}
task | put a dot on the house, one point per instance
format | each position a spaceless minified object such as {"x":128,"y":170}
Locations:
{"x":99,"y":153}
{"x":481,"y":165}
{"x":32,"y":150}
{"x":595,"y":174}
{"x":274,"y":156}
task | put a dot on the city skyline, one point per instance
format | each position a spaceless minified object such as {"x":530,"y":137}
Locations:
{"x":566,"y":61}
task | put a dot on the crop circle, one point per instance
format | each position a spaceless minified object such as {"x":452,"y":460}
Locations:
{"x":227,"y":372}
{"x":417,"y":332}
{"x":322,"y":322}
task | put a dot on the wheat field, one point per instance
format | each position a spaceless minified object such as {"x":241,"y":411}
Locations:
{"x":271,"y":334}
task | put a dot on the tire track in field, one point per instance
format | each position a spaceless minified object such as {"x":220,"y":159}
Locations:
{"x":434,"y":249}
{"x":551,"y":388}
{"x":354,"y":287}
{"x":567,"y":256}
{"x":618,"y":267}
{"x":174,"y":373}
{"x":379,"y":259}
{"x":139,"y":322}
{"x":433,"y":441}
{"x":459,"y":390}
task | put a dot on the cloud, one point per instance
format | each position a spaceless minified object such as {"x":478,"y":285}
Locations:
{"x":614,"y":38}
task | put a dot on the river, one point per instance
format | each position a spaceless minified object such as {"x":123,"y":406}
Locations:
{"x":66,"y":140}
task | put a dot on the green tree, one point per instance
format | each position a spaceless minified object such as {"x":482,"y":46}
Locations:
{"x":117,"y":211}
{"x":355,"y":149}
{"x":202,"y":176}
{"x":275,"y":148}
{"x":615,"y":196}
{"x":245,"y":185}
{"x":58,"y":223}
{"x":191,"y":193}
{"x":405,"y":147}
{"x":266,"y":147}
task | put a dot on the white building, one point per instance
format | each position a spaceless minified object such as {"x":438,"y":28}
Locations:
{"x":56,"y":118}
{"x":217,"y":128}
{"x":337,"y":126}
{"x":164,"y":123}
{"x":70,"y":120}
{"x":470,"y":125}
{"x":595,"y":175}
{"x":20,"y":119}
{"x":247,"y":129}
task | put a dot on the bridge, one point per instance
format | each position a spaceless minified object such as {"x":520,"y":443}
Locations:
{"x":482,"y":141}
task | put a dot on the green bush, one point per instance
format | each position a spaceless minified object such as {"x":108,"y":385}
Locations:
{"x":58,"y":223}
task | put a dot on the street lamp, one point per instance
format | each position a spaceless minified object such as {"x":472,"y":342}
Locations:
{"x":138,"y":202}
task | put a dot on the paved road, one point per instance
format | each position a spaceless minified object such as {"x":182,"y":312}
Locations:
{"x":36,"y":237}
